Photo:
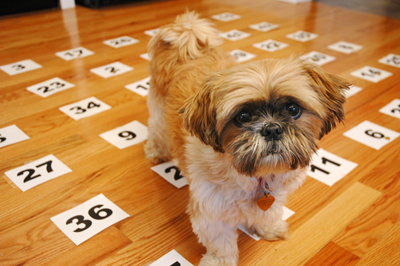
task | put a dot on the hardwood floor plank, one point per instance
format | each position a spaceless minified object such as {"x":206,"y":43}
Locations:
{"x":333,"y":254}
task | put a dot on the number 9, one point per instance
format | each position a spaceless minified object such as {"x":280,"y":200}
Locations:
{"x":128,"y":135}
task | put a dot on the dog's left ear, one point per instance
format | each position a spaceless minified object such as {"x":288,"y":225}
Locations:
{"x":199,"y":115}
{"x":331,"y":90}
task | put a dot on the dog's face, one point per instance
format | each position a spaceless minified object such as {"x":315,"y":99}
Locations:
{"x":266,"y":116}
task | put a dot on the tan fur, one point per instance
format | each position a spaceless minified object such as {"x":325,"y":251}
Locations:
{"x":196,"y":94}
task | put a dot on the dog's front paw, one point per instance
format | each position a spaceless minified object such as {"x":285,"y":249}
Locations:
{"x":280,"y":230}
{"x":211,"y":260}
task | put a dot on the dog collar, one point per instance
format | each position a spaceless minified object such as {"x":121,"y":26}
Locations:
{"x":267,"y":200}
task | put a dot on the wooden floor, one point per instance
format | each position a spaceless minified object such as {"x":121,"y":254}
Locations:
{"x":353,"y":222}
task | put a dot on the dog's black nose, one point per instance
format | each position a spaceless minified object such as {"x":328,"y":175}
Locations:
{"x":272,"y":132}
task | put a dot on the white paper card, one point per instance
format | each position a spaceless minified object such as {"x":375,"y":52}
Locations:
{"x":392,"y":109}
{"x":345,"y":47}
{"x":371,"y":74}
{"x":146,"y":56}
{"x":140,"y":87}
{"x":242,"y":56}
{"x":302,"y":36}
{"x":10,"y":135}
{"x":286,"y":214}
{"x":234,"y":35}
{"x":372,"y":135}
{"x":88,"y":219}
{"x":172,"y":258}
{"x":111,"y":70}
{"x":126,"y":135}
{"x":270,"y":45}
{"x":84,"y":108}
{"x":318,"y":58}
{"x":20,"y":67}
{"x":50,"y":87}
{"x":151,"y":32}
{"x":329,"y":168}
{"x":264,"y":26}
{"x":74,"y":53}
{"x":170,"y":172}
{"x":226,"y":17}
{"x":121,"y":41}
{"x":35,"y":173}
{"x":353,"y":90}
{"x":391,"y":60}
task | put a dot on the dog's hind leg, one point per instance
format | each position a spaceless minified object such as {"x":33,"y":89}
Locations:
{"x":157,"y":148}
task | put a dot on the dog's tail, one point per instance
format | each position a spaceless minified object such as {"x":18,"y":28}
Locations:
{"x":189,"y":35}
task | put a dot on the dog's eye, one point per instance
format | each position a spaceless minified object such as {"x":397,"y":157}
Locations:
{"x":294,"y":110}
{"x":243,"y":117}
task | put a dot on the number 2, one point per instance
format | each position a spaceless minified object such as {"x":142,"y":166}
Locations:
{"x":177,"y":174}
{"x":2,"y":139}
{"x":31,"y":172}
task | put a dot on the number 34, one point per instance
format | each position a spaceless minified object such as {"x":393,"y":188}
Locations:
{"x":80,"y":219}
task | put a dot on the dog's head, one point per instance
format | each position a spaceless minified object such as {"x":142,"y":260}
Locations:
{"x":266,"y":116}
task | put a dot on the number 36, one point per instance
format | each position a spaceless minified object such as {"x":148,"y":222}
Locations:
{"x":92,"y":213}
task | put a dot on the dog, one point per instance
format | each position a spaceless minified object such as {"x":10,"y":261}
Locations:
{"x":242,"y":134}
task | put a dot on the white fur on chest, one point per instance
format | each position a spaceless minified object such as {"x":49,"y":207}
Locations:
{"x":220,"y":192}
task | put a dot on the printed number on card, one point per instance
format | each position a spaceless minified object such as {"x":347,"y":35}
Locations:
{"x":84,"y":108}
{"x":372,"y":135}
{"x":391,"y":60}
{"x":20,"y":67}
{"x":37,"y":172}
{"x":392,"y":109}
{"x":242,"y":56}
{"x":270,"y":45}
{"x":50,"y":87}
{"x":111,"y":70}
{"x":170,"y":172}
{"x":264,"y":26}
{"x":127,"y":135}
{"x":140,"y":87}
{"x":172,"y":258}
{"x":318,"y":58}
{"x":329,"y":168}
{"x":10,"y":135}
{"x":74,"y":53}
{"x":88,"y":219}
{"x":302,"y":36}
{"x":371,"y":74}
{"x":226,"y":17}
{"x":121,"y":41}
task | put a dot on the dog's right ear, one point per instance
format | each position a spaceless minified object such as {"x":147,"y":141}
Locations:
{"x":199,"y":115}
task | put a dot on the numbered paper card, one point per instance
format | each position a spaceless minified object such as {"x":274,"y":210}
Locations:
{"x":84,"y":108}
{"x":75,"y":53}
{"x":151,"y":32}
{"x":372,"y":135}
{"x":121,"y":42}
{"x":127,"y":135}
{"x":170,"y":172}
{"x":226,"y":17}
{"x":146,"y":56}
{"x":242,"y":56}
{"x":37,"y":172}
{"x":270,"y":45}
{"x":172,"y":258}
{"x":140,"y":87}
{"x":234,"y":35}
{"x":318,"y":58}
{"x":302,"y":36}
{"x":371,"y":74}
{"x":286,"y":214}
{"x":10,"y":135}
{"x":20,"y":67}
{"x":353,"y":90}
{"x":264,"y":26}
{"x":111,"y":70}
{"x":345,"y":47}
{"x":392,"y":109}
{"x":329,"y":168}
{"x":50,"y":87}
{"x":88,"y":219}
{"x":391,"y":60}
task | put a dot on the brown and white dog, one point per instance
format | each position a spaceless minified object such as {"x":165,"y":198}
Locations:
{"x":241,"y":133}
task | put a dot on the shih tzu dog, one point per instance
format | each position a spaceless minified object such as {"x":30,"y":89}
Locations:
{"x":243,"y":134}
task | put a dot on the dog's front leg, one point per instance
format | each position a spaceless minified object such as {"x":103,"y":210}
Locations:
{"x":219,"y":238}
